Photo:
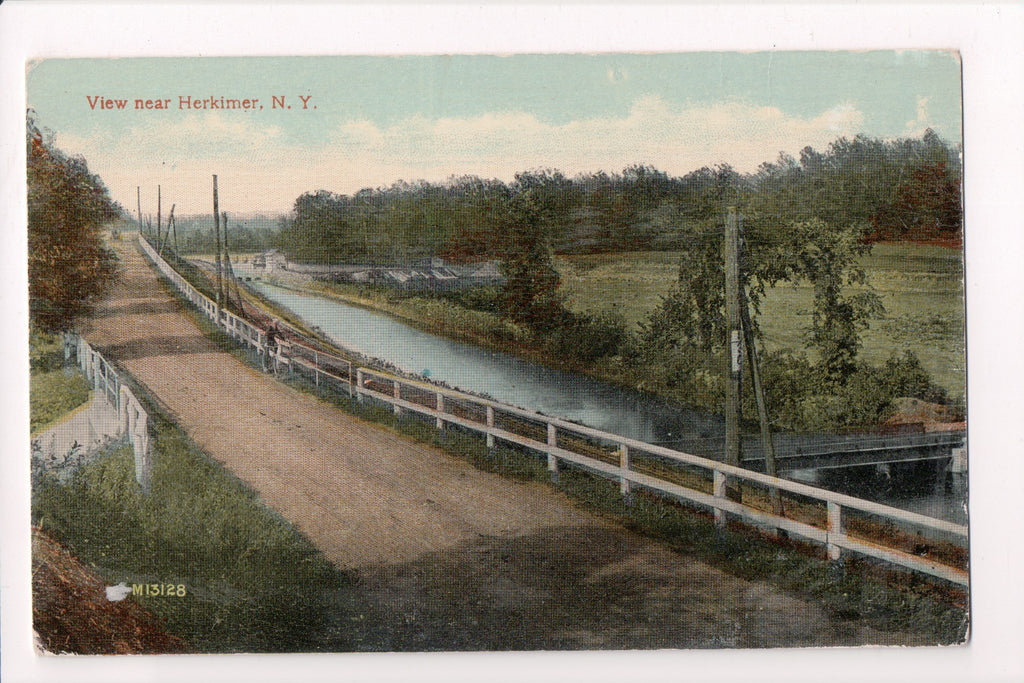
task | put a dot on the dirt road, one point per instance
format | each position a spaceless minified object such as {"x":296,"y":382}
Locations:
{"x":447,"y":557}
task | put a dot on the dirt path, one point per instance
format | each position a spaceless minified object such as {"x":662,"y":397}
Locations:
{"x":448,"y":557}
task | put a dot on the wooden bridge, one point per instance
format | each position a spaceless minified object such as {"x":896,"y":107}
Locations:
{"x":831,"y":451}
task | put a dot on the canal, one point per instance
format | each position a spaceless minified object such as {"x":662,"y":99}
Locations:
{"x":572,"y":396}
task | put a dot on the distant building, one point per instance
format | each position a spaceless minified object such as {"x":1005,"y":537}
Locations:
{"x":271,"y":260}
{"x":425,"y":274}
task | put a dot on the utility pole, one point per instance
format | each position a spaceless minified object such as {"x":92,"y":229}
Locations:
{"x":166,"y":236}
{"x":733,"y":385}
{"x":229,"y":272}
{"x":159,"y":230}
{"x":771,"y":469}
{"x":216,"y":226}
{"x":174,"y":224}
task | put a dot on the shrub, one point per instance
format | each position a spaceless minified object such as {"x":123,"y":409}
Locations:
{"x":904,"y":376}
{"x":584,"y":338}
{"x":788,"y":380}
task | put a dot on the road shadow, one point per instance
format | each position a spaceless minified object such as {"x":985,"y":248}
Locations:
{"x":154,"y":346}
{"x":136,"y":307}
{"x":591,"y":587}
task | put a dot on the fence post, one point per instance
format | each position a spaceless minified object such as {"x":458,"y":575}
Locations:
{"x":122,"y":411}
{"x":440,"y":411}
{"x":835,"y":528}
{"x":624,"y":483}
{"x":490,"y":426}
{"x":718,"y":490}
{"x":316,"y":369}
{"x":359,"y":383}
{"x":552,"y":460}
{"x":142,"y":459}
{"x":398,"y":394}
{"x":133,"y":431}
{"x":350,"y":378}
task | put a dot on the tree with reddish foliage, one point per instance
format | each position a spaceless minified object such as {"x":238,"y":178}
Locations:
{"x":68,"y":265}
{"x":925,"y":201}
{"x":928,"y":206}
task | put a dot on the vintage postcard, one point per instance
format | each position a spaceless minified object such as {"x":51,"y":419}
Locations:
{"x":447,"y":352}
{"x":517,"y":352}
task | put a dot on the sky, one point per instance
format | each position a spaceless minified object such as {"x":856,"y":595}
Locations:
{"x":348,"y":123}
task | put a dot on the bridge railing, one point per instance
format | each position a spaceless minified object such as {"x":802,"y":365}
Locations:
{"x":133,"y":420}
{"x":814,"y":514}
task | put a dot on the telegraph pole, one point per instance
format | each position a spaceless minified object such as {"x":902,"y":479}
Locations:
{"x":733,"y":385}
{"x":216,"y":226}
{"x":159,"y":229}
{"x":165,"y":237}
{"x":174,"y":224}
{"x":770,"y":467}
{"x":229,"y":272}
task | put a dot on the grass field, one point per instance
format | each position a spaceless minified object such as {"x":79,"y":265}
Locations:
{"x":921,"y":287}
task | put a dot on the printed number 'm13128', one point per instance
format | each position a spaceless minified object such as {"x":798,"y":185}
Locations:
{"x":159,"y":590}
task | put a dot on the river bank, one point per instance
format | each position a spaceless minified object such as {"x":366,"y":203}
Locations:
{"x":601,"y":343}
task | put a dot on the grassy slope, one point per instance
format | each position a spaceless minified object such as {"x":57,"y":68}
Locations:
{"x":53,"y":391}
{"x":253,"y":583}
{"x":921,"y":288}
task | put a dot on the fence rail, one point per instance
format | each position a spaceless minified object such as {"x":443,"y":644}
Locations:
{"x":634,"y":464}
{"x":133,"y":420}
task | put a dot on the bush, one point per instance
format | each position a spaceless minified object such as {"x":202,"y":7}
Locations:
{"x":45,"y":351}
{"x":584,"y":338}
{"x":789,"y":379}
{"x":485,"y":299}
{"x":904,"y":376}
{"x":801,"y":398}
{"x":869,"y":396}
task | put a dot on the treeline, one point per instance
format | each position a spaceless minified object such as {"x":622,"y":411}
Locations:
{"x":906,"y":189}
{"x":251,"y":234}
{"x":806,"y":220}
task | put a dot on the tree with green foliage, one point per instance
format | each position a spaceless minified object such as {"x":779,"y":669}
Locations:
{"x":68,"y":264}
{"x":827,"y":259}
{"x":530,"y":292}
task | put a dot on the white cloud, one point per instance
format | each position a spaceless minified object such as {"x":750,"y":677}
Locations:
{"x":922,"y":122}
{"x":260,"y":170}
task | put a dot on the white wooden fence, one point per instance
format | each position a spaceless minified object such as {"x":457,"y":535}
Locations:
{"x":817,"y":515}
{"x":133,"y":420}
